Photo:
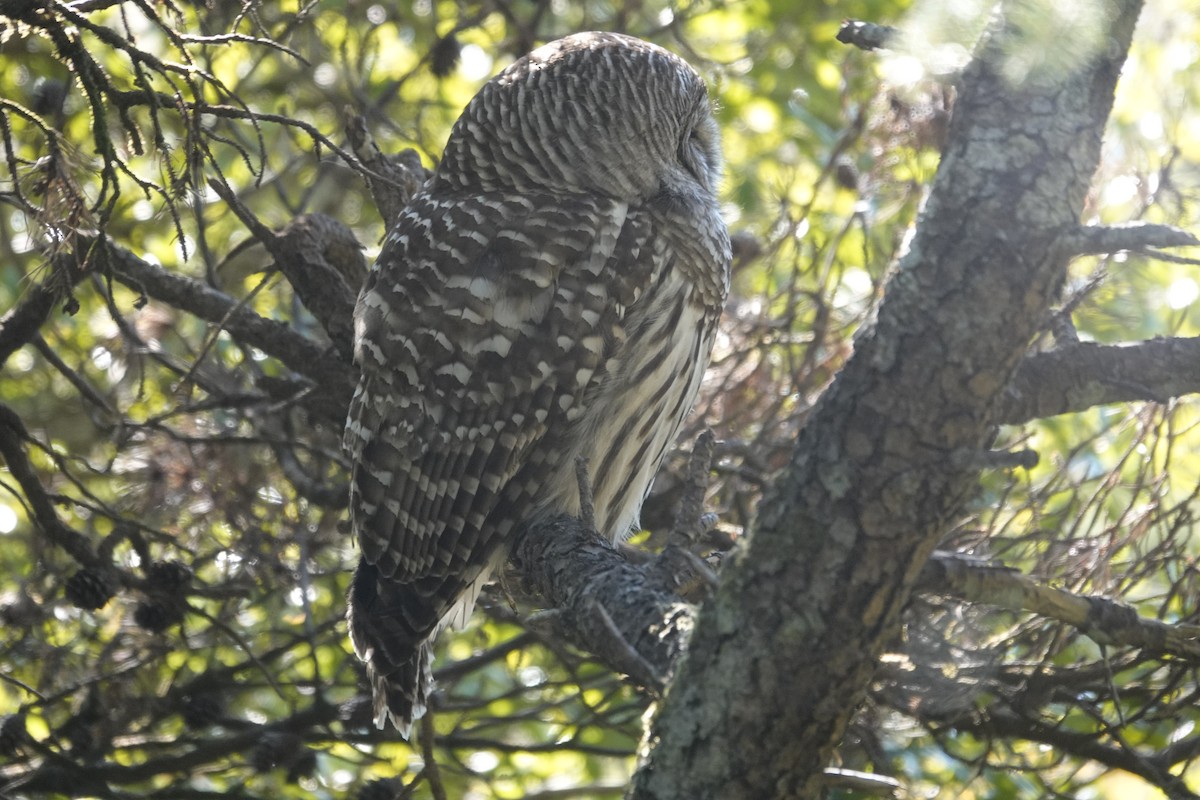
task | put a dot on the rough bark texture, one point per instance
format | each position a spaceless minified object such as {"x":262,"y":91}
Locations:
{"x":782,"y":654}
{"x":602,"y":603}
{"x":1086,"y":374}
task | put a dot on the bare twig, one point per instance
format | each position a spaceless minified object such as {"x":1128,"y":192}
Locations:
{"x":333,"y":377}
{"x":1105,"y":621}
{"x":864,"y":782}
{"x":432,"y":772}
{"x":628,"y":660}
{"x":1138,"y":236}
{"x":690,"y":515}
{"x":996,"y":459}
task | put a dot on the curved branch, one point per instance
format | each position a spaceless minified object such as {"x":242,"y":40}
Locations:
{"x":20,"y":325}
{"x":322,"y":260}
{"x":333,"y":378}
{"x":12,"y":450}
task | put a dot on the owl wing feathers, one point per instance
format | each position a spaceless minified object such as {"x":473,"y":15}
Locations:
{"x":549,"y":294}
{"x":484,"y":323}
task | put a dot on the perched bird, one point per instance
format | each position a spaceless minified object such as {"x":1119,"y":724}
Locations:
{"x":551,"y":293}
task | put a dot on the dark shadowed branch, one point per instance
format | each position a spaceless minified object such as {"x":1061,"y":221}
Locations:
{"x":12,"y":448}
{"x":20,"y":324}
{"x":603,"y":603}
{"x":332,"y":378}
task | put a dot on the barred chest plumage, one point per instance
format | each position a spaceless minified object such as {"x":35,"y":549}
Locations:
{"x":625,"y":424}
{"x":630,"y":419}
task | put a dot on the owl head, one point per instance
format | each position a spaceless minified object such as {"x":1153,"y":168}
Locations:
{"x":593,"y":112}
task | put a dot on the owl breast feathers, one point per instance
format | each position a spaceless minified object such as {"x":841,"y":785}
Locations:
{"x":551,"y":293}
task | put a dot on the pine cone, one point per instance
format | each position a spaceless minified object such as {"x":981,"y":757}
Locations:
{"x":88,"y":589}
{"x":12,"y":733}
{"x":157,"y":616}
{"x":304,"y":766}
{"x":276,"y":749}
{"x":202,"y":710}
{"x":168,"y":577}
{"x":443,"y":58}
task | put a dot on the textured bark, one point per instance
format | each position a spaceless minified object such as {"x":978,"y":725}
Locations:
{"x":615,"y":610}
{"x":782,"y":654}
{"x":1078,"y":376}
{"x":323,"y":262}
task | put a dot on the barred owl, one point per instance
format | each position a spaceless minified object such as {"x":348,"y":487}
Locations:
{"x":551,"y":293}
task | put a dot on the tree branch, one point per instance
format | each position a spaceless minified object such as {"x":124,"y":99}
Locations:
{"x":1137,"y":236}
{"x":809,"y":603}
{"x":997,"y":724}
{"x":322,"y":260}
{"x":12,"y":448}
{"x":602,"y":603}
{"x":1078,"y":376}
{"x":570,"y":566}
{"x":1105,"y":621}
{"x":393,"y":179}
{"x":333,"y":378}
{"x":50,"y":777}
{"x":22,"y":323}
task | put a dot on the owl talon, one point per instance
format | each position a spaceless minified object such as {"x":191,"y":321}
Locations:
{"x":684,"y":573}
{"x":587,"y":505}
{"x":691,"y":523}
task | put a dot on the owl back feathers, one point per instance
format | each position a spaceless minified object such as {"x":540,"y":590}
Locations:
{"x":513,"y":323}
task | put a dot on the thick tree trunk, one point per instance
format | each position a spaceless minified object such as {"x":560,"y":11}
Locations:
{"x":783,"y":653}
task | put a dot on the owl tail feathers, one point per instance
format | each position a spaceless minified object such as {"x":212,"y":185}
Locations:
{"x":399,"y":660}
{"x":402,"y":694}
